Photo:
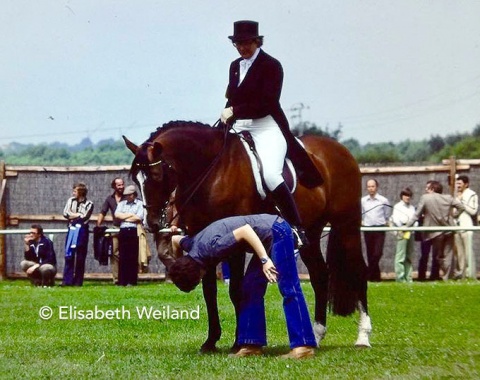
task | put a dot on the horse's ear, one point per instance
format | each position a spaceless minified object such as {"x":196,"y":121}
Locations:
{"x":130,"y":145}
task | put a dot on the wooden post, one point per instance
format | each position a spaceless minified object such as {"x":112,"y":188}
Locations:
{"x":3,"y":222}
{"x":453,"y":172}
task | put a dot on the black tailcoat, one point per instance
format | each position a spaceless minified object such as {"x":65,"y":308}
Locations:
{"x":258,"y":96}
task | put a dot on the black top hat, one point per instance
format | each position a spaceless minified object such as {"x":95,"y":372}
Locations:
{"x":244,"y":30}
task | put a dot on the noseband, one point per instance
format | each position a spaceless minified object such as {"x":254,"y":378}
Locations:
{"x":193,"y":188}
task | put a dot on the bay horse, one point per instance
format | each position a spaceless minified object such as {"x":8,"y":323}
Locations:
{"x":211,"y":173}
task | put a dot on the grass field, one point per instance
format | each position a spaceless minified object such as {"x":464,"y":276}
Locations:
{"x":421,"y":331}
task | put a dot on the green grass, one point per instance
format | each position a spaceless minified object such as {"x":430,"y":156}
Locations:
{"x":421,"y":331}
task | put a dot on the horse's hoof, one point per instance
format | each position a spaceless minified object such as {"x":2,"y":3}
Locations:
{"x":207,"y":349}
{"x":362,"y":343}
{"x":363,"y":340}
{"x":364,"y":331}
{"x":320,"y":331}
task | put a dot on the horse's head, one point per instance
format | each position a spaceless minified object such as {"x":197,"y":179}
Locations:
{"x":156,"y":179}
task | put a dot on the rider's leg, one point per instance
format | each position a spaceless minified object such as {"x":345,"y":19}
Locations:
{"x":283,"y":199}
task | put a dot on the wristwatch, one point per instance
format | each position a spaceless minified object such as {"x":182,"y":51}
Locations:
{"x":264,"y":260}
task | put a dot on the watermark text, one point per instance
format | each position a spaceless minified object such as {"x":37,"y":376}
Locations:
{"x":72,"y":313}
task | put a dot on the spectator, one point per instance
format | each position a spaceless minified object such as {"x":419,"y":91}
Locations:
{"x":466,"y":265}
{"x":111,"y":204}
{"x":437,"y":209}
{"x":78,"y":211}
{"x":130,"y":212}
{"x":425,"y":250}
{"x":376,"y":212}
{"x":227,"y":237}
{"x":403,"y":212}
{"x":40,"y":262}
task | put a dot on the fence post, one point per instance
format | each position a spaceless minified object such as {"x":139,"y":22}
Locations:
{"x":451,"y":176}
{"x":3,"y":222}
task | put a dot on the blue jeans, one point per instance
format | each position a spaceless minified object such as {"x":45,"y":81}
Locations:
{"x":74,"y":268}
{"x":252,"y":324}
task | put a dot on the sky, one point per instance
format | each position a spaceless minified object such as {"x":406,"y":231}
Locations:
{"x":385,"y":70}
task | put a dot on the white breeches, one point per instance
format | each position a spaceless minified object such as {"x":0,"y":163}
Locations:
{"x":271,"y":147}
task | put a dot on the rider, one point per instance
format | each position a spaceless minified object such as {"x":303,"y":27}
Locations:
{"x":253,"y":105}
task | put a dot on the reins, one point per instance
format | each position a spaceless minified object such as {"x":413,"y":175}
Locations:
{"x":193,"y":188}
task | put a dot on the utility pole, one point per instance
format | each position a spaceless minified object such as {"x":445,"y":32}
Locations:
{"x":296,"y":116}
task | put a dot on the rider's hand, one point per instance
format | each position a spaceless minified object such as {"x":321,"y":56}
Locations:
{"x":270,"y":271}
{"x":227,"y":114}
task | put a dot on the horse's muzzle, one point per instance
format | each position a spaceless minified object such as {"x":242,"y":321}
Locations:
{"x":153,"y":228}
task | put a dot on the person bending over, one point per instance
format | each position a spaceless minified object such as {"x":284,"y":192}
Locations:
{"x":230,"y":236}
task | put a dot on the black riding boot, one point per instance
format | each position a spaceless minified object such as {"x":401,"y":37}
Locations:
{"x":283,"y":199}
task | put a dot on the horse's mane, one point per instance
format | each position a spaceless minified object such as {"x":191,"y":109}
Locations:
{"x":176,"y":124}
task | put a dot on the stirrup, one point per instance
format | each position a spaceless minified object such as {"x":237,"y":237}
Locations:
{"x":300,"y":237}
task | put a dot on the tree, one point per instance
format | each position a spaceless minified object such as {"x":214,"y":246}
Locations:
{"x":308,"y":128}
{"x":436,"y":143}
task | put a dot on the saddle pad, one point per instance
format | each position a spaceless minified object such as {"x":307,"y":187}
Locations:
{"x":289,"y":174}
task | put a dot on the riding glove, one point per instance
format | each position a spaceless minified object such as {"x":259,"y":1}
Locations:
{"x":227,"y":114}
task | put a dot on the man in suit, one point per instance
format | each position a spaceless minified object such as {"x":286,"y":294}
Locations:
{"x":463,"y":239}
{"x":253,"y":105}
{"x":436,"y":209}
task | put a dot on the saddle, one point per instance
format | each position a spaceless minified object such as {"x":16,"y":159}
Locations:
{"x":289,"y":174}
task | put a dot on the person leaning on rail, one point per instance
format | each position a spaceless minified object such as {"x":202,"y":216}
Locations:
{"x":78,"y":211}
{"x":437,"y":210}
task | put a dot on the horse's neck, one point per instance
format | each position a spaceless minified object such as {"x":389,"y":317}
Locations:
{"x":193,"y":152}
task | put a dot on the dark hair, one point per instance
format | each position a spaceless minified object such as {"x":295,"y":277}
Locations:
{"x":38,"y":227}
{"x":436,"y":186}
{"x":185,"y":273}
{"x":81,"y":189}
{"x":374,"y":180}
{"x":406,"y":191}
{"x":259,"y":41}
{"x":112,"y":185}
{"x":463,"y":178}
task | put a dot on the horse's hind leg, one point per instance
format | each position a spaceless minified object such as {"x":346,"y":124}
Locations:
{"x":364,"y":324}
{"x":317,"y":269}
{"x":353,"y":249}
{"x":209,"y":284}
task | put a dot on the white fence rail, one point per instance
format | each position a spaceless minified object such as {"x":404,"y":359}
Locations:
{"x":326,"y":229}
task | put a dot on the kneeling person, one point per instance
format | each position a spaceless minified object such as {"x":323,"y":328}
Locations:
{"x":40,"y":262}
{"x":226,"y":237}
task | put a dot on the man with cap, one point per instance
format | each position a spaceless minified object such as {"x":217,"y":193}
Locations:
{"x":253,"y":105}
{"x":130,"y":211}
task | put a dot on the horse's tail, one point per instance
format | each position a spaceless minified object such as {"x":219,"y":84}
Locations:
{"x":347,"y":269}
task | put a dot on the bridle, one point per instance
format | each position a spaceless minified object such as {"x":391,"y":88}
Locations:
{"x":167,"y":167}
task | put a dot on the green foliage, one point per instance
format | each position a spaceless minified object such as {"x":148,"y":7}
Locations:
{"x":114,"y":152}
{"x":379,"y":153}
{"x":468,"y":147}
{"x":308,"y":128}
{"x":107,"y":152}
{"x":420,"y":331}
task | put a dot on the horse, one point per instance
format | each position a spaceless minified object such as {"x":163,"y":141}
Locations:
{"x":212,"y":176}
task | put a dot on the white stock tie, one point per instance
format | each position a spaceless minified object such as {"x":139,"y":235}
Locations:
{"x":244,"y":66}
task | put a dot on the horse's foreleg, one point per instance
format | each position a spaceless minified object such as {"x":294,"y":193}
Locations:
{"x":317,"y":269}
{"x":209,"y":285}
{"x":364,"y":325}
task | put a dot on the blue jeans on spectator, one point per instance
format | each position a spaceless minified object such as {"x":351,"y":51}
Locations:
{"x":252,"y":325}
{"x":74,"y":269}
